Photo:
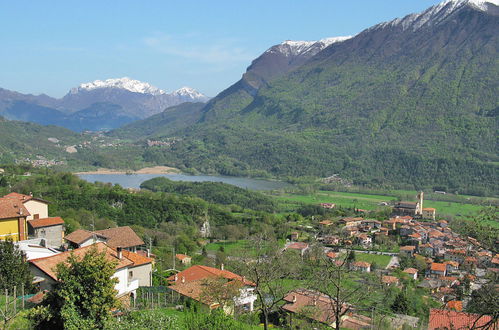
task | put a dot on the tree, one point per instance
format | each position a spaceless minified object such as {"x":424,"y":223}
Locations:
{"x":220,"y":291}
{"x":485,"y":301}
{"x":14,"y":271}
{"x":334,"y":278}
{"x":83,"y":296}
{"x":268,"y":268}
{"x":400,"y":304}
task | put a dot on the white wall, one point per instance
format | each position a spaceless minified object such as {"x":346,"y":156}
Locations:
{"x":36,"y":207}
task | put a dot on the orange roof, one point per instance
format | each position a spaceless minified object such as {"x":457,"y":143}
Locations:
{"x":136,"y":258}
{"x":199,"y":272}
{"x":180,"y":256}
{"x":325,"y":222}
{"x":428,"y":209}
{"x":194,"y":290}
{"x":12,"y":208}
{"x":332,"y":255}
{"x":448,"y":319}
{"x":389,"y":279}
{"x":456,"y":305}
{"x":48,"y":264}
{"x":121,"y":237}
{"x":362,"y":264}
{"x":46,"y":222}
{"x":297,"y":246}
{"x":411,"y":271}
{"x":79,"y":236}
{"x":408,"y":248}
{"x":23,"y":198}
{"x":438,"y":267}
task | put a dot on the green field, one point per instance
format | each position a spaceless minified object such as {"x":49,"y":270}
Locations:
{"x":380,"y":259}
{"x":290,"y":201}
{"x":229,"y":247}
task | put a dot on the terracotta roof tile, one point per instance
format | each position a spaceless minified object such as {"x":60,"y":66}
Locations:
{"x":199,"y":272}
{"x":78,"y":236}
{"x":136,"y":258}
{"x":24,"y":198}
{"x":410,"y":271}
{"x":389,"y":279}
{"x":121,"y":237}
{"x":48,"y":264}
{"x":438,"y":267}
{"x":448,"y":319}
{"x":46,"y":222}
{"x":181,"y":256}
{"x":12,"y":208}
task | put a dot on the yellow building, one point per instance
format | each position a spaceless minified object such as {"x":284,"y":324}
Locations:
{"x":13,"y":222}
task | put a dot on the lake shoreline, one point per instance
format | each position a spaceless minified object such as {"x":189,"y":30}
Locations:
{"x":145,"y":170}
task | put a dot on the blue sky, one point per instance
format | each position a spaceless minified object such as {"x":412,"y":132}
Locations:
{"x":50,"y":46}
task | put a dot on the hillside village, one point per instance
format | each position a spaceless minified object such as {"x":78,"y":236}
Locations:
{"x":427,"y":255}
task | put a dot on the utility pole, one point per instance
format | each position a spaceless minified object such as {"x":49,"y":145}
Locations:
{"x":173,"y":249}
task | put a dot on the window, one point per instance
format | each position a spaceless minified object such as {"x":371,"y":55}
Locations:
{"x":130,"y":274}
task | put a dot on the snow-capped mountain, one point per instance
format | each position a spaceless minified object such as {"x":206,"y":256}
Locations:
{"x":126,"y":83}
{"x":438,"y":14}
{"x":298,"y":48}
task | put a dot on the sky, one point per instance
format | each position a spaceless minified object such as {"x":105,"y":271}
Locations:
{"x":51,"y":46}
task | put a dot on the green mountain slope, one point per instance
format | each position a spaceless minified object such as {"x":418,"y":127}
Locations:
{"x":413,"y":106}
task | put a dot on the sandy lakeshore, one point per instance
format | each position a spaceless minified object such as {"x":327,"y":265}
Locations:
{"x":145,"y":170}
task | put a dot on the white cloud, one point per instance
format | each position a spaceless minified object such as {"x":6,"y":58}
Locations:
{"x":190,"y":46}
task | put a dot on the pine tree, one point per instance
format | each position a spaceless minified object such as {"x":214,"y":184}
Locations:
{"x":14,"y":271}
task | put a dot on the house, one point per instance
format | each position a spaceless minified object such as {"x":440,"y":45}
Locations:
{"x":37,"y":207}
{"x":35,"y":248}
{"x":298,"y":246}
{"x":319,"y":307}
{"x":50,"y":229}
{"x":192,"y":282}
{"x":451,"y":266}
{"x":332,"y":255}
{"x":131,"y":269}
{"x":407,"y":251}
{"x":351,"y":221}
{"x":389,"y":280}
{"x":438,"y":269}
{"x":327,"y":205}
{"x":456,"y":255}
{"x":412,"y":272}
{"x":325,"y":223}
{"x":361,"y":266}
{"x":363,"y":239}
{"x":429,"y":213}
{"x":441,"y":319}
{"x":13,"y":215}
{"x":184,"y":259}
{"x":123,"y":237}
{"x":484,"y":258}
{"x":426,"y":249}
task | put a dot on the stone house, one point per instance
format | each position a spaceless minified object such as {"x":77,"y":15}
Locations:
{"x":50,"y":229}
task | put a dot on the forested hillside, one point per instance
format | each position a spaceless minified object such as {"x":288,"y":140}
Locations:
{"x":398,"y":103}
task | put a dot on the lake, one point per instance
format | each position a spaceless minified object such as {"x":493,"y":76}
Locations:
{"x":134,"y":180}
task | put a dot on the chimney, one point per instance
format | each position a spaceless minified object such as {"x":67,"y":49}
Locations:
{"x":315,"y":301}
{"x":222,"y":266}
{"x":20,"y":211}
{"x":148,"y":253}
{"x":176,"y":278}
{"x":294,"y":298}
{"x":183,"y":279}
{"x":120,"y":252}
{"x":43,"y":242}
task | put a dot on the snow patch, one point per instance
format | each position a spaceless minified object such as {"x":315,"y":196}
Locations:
{"x":126,"y":83}
{"x":436,"y":14}
{"x":295,"y":48}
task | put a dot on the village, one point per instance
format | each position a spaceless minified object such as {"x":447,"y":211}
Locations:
{"x":423,"y":252}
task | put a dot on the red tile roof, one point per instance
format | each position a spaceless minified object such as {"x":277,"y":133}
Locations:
{"x":12,"y":208}
{"x":297,"y":246}
{"x":448,"y":319}
{"x":408,"y":248}
{"x":79,"y":236}
{"x":121,"y":237}
{"x":435,"y":266}
{"x":389,"y":279}
{"x":199,"y":272}
{"x":411,"y":271}
{"x":362,"y":264}
{"x":332,"y":255}
{"x":136,"y":258}
{"x":24,"y":198}
{"x":46,"y":222}
{"x":181,"y":257}
{"x":48,"y":264}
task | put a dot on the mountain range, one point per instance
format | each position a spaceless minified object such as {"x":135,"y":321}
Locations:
{"x":98,"y":105}
{"x":412,"y":101}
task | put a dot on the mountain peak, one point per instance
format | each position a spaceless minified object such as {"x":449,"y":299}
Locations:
{"x":436,"y":14}
{"x":126,"y":83}
{"x":189,"y":92}
{"x":295,"y":48}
